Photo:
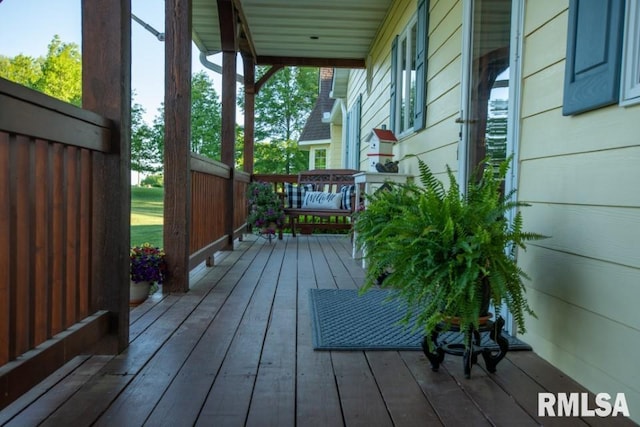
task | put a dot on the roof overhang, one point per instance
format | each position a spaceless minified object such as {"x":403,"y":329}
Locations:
{"x":329,"y":33}
{"x":339,"y":84}
{"x":315,"y":142}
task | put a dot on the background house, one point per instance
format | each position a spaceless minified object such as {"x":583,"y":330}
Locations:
{"x":322,"y":133}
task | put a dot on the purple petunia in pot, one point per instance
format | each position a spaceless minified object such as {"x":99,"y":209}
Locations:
{"x":147,"y":264}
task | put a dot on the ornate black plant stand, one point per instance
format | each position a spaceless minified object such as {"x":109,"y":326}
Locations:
{"x":473,"y":348}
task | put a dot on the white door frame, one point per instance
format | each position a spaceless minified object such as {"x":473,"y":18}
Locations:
{"x":513,"y":118}
{"x":465,"y":82}
{"x":515,"y":92}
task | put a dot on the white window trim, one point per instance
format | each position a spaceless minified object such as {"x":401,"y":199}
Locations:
{"x":630,"y":78}
{"x":316,"y":151}
{"x":407,"y":54}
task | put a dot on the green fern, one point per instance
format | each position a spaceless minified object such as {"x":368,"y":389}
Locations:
{"x":437,"y":246}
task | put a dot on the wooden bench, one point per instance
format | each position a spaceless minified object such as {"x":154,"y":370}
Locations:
{"x":308,"y":220}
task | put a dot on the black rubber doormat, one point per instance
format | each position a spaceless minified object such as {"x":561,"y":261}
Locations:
{"x":342,"y":319}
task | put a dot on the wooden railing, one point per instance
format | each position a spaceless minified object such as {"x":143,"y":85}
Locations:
{"x":277,"y":180}
{"x":209,"y":180}
{"x":241,"y":182}
{"x":48,"y":153}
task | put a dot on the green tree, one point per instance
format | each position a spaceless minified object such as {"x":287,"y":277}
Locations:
{"x":157,"y":133}
{"x":239,"y":147}
{"x":145,"y":152}
{"x":281,"y":109}
{"x":206,"y":121}
{"x":21,"y":69}
{"x":62,"y":72}
{"x":281,"y":157}
{"x":59,"y":74}
{"x":206,"y":117}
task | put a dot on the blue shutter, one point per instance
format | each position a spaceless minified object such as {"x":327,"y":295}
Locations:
{"x":422,"y":45}
{"x":347,"y":140}
{"x":392,"y":86}
{"x":357,"y":110}
{"x":353,"y":134}
{"x":594,"y":51}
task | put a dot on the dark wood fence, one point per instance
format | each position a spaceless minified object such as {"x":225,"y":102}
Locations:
{"x":52,"y":216}
{"x":209,"y":180}
{"x":48,"y":150}
{"x":241,"y":182}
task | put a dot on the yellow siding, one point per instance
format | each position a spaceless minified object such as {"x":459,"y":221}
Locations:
{"x":540,"y":12}
{"x":334,"y":154}
{"x":581,"y":174}
{"x":437,"y":143}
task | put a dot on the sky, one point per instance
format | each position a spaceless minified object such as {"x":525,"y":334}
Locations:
{"x":28,"y":26}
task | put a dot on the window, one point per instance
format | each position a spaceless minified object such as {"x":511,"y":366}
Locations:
{"x":408,"y":74}
{"x":407,"y":57}
{"x":320,"y":158}
{"x":630,"y":81}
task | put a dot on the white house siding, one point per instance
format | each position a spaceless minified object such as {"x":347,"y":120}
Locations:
{"x":437,"y":143}
{"x":581,"y":174}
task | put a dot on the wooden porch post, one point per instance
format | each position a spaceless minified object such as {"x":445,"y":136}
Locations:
{"x":227,"y":19}
{"x":249,"y":110}
{"x":106,"y":90}
{"x":177,"y":143}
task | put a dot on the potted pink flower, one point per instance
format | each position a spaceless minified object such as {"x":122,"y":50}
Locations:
{"x":266,"y":213}
{"x":148,"y":267}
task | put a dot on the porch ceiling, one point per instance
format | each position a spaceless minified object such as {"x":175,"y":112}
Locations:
{"x":296,"y":32}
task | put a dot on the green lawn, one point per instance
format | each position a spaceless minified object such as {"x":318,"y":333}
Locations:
{"x":146,"y":215}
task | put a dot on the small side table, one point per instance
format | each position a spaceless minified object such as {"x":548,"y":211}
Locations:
{"x":371,"y":181}
{"x":472,"y":349}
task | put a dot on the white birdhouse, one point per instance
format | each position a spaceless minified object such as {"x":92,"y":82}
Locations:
{"x":380,"y":147}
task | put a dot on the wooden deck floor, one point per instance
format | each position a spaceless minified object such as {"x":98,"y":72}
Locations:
{"x":236,"y":350}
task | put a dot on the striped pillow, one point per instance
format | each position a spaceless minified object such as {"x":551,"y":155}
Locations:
{"x":347,"y":191}
{"x":295,"y":194}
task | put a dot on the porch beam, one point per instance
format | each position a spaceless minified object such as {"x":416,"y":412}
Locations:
{"x":228,"y":37}
{"x":293,"y":61}
{"x":246,"y":39}
{"x":266,"y":76}
{"x":106,"y":90}
{"x":249,"y":110}
{"x":228,"y":26}
{"x":177,"y":151}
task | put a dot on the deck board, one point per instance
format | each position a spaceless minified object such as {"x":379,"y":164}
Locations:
{"x":236,"y":350}
{"x":498,"y":406}
{"x":360,"y":398}
{"x":318,"y":402}
{"x":55,"y":391}
{"x":228,"y":400}
{"x":406,"y":403}
{"x":453,"y":406}
{"x":184,"y":398}
{"x":273,"y":399}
